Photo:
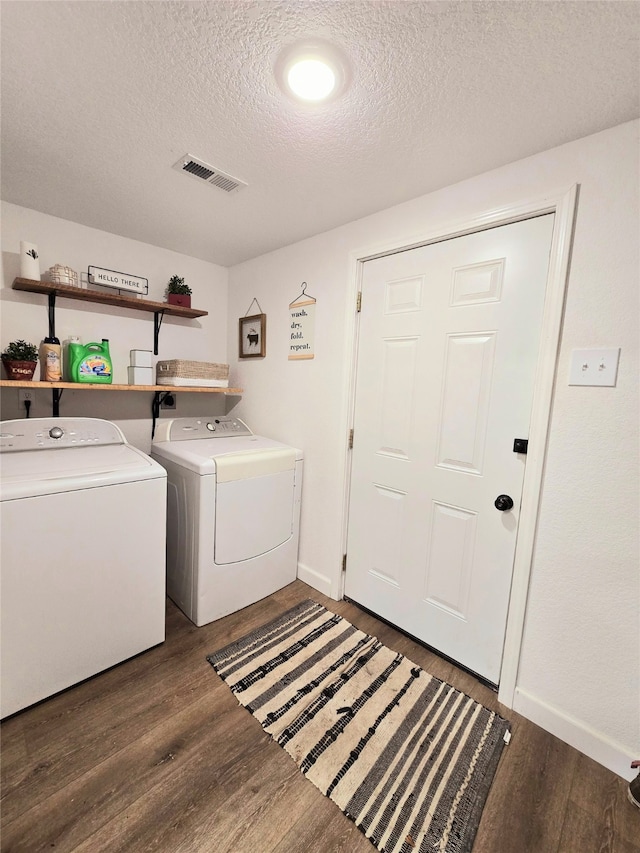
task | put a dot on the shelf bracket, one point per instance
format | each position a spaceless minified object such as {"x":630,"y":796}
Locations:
{"x":52,"y":314}
{"x":158,"y":317}
{"x":56,"y":395}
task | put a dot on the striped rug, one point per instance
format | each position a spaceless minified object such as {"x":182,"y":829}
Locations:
{"x":407,"y":757}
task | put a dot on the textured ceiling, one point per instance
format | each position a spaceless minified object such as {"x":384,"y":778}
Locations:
{"x":99,"y":100}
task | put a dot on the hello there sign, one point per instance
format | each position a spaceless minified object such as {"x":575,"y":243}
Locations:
{"x":118,"y":280}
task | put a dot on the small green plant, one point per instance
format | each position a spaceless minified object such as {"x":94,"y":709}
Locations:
{"x":20,"y":351}
{"x":177,"y":285}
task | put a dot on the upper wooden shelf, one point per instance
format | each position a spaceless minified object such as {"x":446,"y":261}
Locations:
{"x":80,"y":293}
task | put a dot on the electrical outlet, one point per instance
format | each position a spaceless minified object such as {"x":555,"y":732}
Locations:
{"x":24,"y":394}
{"x":168,"y":401}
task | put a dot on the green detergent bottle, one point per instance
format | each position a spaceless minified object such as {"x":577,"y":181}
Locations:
{"x":91,"y":363}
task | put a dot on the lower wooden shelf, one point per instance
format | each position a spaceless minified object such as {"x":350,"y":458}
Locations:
{"x":88,"y":386}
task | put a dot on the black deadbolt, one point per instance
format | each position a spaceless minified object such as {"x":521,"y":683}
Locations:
{"x":503,"y":503}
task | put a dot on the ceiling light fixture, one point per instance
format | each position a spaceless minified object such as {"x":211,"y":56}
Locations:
{"x":312,"y":72}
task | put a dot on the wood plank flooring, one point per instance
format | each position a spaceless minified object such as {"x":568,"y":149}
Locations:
{"x":157,"y":755}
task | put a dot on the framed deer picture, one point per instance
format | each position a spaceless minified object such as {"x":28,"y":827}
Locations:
{"x":252,"y":336}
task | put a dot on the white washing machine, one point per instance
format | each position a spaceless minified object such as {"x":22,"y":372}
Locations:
{"x":82,"y":571}
{"x":233,"y":514}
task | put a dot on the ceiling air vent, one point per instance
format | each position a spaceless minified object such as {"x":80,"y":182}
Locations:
{"x":204,"y":172}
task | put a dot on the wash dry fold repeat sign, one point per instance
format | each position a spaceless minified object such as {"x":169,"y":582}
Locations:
{"x":302,"y":327}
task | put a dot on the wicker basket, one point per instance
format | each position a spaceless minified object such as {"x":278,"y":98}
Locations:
{"x":178,"y":371}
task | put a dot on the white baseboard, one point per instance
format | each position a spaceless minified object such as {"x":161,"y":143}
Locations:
{"x":582,"y":737}
{"x":315,"y":579}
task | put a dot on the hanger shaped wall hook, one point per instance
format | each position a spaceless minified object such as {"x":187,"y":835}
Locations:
{"x":304,"y":296}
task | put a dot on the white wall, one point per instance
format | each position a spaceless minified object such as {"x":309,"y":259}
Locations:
{"x":24,"y":315}
{"x":580,"y":665}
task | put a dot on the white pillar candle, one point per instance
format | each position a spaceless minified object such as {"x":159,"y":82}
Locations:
{"x":29,"y":261}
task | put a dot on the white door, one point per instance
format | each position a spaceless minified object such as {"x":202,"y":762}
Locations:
{"x":448,"y":343}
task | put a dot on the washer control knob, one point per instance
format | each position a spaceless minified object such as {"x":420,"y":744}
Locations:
{"x":56,"y":432}
{"x":211,"y":427}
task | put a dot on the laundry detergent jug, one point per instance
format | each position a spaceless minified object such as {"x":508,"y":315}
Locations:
{"x":91,"y":362}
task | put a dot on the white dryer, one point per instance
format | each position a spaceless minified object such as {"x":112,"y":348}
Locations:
{"x":82,"y":568}
{"x":233,"y":514}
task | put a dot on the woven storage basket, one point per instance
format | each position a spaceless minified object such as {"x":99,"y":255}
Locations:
{"x":178,"y":368}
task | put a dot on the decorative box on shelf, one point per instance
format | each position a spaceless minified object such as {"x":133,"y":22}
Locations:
{"x":140,"y":375}
{"x":140,"y":358}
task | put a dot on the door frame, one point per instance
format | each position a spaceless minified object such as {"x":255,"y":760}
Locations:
{"x":563,"y":204}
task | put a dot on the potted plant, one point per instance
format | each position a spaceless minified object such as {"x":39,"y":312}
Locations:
{"x":20,"y":359}
{"x":178,"y":293}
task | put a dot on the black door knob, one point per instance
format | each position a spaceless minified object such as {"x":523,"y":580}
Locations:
{"x":503,"y":503}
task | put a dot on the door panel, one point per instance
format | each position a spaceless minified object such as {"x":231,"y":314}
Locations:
{"x":448,"y":343}
{"x":464,"y":408}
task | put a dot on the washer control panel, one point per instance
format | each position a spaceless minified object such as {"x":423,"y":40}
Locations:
{"x":46,"y":433}
{"x":183,"y":429}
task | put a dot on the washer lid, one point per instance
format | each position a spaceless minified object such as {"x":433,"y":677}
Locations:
{"x":200,"y":455}
{"x":65,"y":469}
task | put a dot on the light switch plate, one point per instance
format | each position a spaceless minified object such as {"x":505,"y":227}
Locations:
{"x":594,"y":366}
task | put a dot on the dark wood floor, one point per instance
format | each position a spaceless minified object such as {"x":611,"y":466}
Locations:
{"x":157,"y":755}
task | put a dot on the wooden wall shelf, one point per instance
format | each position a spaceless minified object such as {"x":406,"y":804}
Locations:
{"x":46,"y":287}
